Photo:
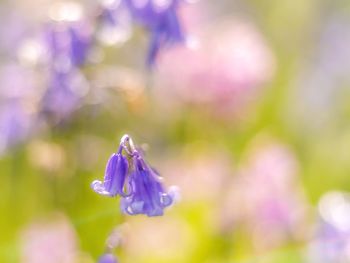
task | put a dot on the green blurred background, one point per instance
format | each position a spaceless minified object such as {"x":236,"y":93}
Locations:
{"x":251,"y":169}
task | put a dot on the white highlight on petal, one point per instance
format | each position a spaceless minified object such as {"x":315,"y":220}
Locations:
{"x":136,"y":207}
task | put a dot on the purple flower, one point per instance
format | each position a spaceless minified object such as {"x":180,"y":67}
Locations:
{"x":67,"y":46}
{"x":15,"y":124}
{"x":116,"y":171}
{"x":146,"y":194}
{"x":107,"y":258}
{"x":64,"y":93}
{"x":69,"y":42}
{"x":159,"y":18}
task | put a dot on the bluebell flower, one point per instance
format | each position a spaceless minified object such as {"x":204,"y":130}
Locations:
{"x":147,"y":192}
{"x":69,"y":42}
{"x":161,"y":20}
{"x":107,"y":258}
{"x":139,"y":185}
{"x":80,"y":43}
{"x":67,"y":46}
{"x":116,"y":171}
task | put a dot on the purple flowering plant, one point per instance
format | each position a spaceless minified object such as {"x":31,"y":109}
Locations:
{"x":138,"y":184}
{"x":159,"y":18}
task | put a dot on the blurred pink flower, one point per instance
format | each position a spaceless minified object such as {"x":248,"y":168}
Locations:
{"x":199,"y":178}
{"x":267,"y":197}
{"x":222,"y":68}
{"x":52,"y":241}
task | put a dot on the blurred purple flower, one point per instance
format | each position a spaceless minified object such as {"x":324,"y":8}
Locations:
{"x":107,"y":258}
{"x":146,"y":194}
{"x":64,"y":93}
{"x":15,"y":124}
{"x":318,"y":102}
{"x":116,"y":171}
{"x":18,"y":104}
{"x":67,"y":47}
{"x":331,"y":241}
{"x":330,"y":245}
{"x":160,"y":18}
{"x":69,"y":42}
{"x":268,"y":197}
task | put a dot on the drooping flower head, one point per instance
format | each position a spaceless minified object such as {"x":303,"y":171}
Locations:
{"x":67,"y":41}
{"x":69,"y":35}
{"x":148,"y":195}
{"x":160,"y":18}
{"x":116,"y":171}
{"x":140,"y":186}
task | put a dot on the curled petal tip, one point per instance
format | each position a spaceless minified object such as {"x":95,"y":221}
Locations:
{"x":166,"y":199}
{"x":99,"y":188}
